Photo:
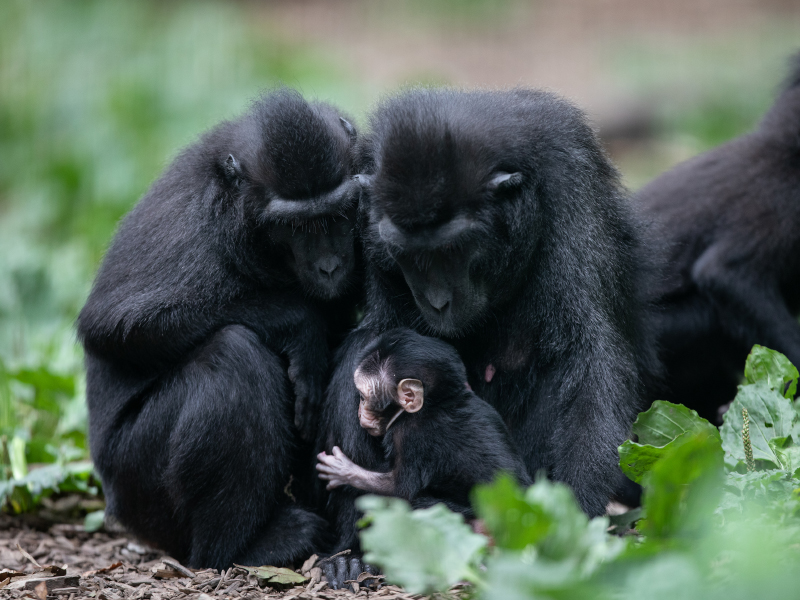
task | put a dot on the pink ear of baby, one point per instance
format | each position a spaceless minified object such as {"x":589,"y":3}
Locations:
{"x":490,"y":371}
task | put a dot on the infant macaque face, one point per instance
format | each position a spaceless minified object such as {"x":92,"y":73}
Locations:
{"x":383,"y":398}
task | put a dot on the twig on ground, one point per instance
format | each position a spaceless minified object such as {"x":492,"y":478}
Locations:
{"x":174,"y":564}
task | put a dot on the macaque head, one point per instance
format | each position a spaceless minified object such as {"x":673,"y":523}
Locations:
{"x":400,"y":373}
{"x":294,"y":177}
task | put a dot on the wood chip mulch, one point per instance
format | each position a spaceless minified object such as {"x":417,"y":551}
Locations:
{"x":65,"y":562}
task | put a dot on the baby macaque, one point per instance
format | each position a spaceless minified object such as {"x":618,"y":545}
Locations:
{"x":440,"y":438}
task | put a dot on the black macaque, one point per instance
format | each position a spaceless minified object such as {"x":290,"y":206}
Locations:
{"x":729,"y":224}
{"x":439,"y":437}
{"x":206,"y":335}
{"x":496,"y":222}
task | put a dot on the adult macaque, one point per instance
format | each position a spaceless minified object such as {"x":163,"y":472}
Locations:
{"x":495,"y":222}
{"x":207,"y":335}
{"x":729,"y":223}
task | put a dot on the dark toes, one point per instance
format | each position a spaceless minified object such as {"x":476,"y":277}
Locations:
{"x":355,"y":568}
{"x":329,"y":571}
{"x":341,"y":571}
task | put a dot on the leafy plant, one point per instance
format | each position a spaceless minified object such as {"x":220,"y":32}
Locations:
{"x":25,"y":488}
{"x":711,"y":528}
{"x":659,"y":430}
{"x":437,"y":550}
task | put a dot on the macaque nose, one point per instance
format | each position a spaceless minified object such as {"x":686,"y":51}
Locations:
{"x":439,"y":299}
{"x":328,"y":265}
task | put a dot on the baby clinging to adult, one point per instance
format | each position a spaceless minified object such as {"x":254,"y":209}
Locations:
{"x":440,"y":438}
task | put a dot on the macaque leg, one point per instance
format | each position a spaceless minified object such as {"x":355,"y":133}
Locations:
{"x":338,"y":470}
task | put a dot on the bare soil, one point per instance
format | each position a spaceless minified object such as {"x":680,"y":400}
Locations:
{"x":65,"y":562}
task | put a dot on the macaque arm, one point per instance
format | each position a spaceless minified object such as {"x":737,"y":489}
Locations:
{"x":339,"y":470}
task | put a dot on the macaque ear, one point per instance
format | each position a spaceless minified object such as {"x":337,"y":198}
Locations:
{"x":232,"y":168}
{"x":409,"y":395}
{"x":348,"y":127}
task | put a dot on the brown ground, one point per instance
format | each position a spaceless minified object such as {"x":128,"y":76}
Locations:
{"x":66,"y":562}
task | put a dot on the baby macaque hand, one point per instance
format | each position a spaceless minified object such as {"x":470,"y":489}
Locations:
{"x":337,"y":469}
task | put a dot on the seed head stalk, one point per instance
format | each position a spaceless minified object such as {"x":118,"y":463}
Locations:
{"x":748,"y":447}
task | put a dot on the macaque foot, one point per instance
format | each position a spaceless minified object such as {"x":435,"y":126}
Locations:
{"x":342,"y":572}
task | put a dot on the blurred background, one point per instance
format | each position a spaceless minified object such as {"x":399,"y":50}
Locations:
{"x":96,"y":97}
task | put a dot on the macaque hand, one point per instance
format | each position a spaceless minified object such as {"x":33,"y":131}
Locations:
{"x":338,"y":470}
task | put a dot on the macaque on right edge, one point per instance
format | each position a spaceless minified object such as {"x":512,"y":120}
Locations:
{"x":440,"y":438}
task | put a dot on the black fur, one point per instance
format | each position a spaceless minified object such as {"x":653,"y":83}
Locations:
{"x":496,"y":222}
{"x":729,"y":223}
{"x":456,"y":440}
{"x":206,"y":335}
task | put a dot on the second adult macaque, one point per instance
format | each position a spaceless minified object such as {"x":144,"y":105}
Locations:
{"x":440,"y":438}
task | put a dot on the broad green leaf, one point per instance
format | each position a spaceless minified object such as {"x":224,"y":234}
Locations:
{"x":513,"y":522}
{"x":521,"y":576}
{"x":771,"y":416}
{"x":773,"y":488}
{"x":425,"y":550}
{"x":94,"y":521}
{"x":636,"y":460}
{"x":773,"y":368}
{"x":550,"y":521}
{"x":275,"y":575}
{"x":657,"y":430}
{"x":572,"y":549}
{"x":683,"y":487}
{"x":788,"y":454}
{"x":664,"y":422}
{"x":572,"y":534}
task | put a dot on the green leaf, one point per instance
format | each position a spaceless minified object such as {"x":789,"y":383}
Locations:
{"x":774,"y":488}
{"x":572,"y":549}
{"x":773,"y":368}
{"x":772,"y":417}
{"x":572,"y":534}
{"x":665,"y":422}
{"x":657,"y":429}
{"x":683,"y":487}
{"x":513,"y":522}
{"x":43,"y":379}
{"x":275,"y":575}
{"x":94,"y":521}
{"x":16,"y":456}
{"x":636,"y":460}
{"x":44,"y":478}
{"x":425,"y":550}
{"x":545,"y":522}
